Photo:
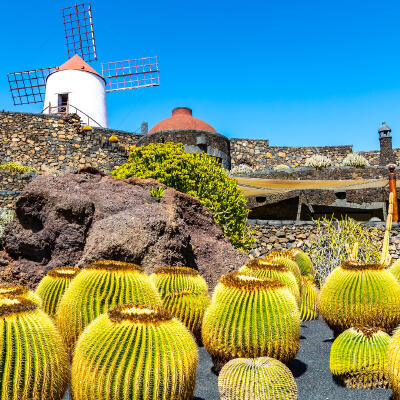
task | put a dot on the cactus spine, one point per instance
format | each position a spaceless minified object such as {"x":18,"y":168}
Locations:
{"x":189,"y":307}
{"x":134,"y":352}
{"x":394,"y":269}
{"x":251,"y":317}
{"x":260,"y":378}
{"x":309,"y":299}
{"x":175,"y":279}
{"x":360,"y":294}
{"x":359,"y":357}
{"x":33,"y":359}
{"x":272,"y":269}
{"x":97,"y":288}
{"x":53,"y":285}
{"x":20,"y":291}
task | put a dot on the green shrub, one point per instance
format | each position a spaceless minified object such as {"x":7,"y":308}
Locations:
{"x":6,"y":217}
{"x":355,"y":160}
{"x":334,"y":238}
{"x":317,"y":161}
{"x":17,"y":168}
{"x":198,"y":175}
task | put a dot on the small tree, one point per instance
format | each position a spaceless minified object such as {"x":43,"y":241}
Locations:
{"x":198,"y":175}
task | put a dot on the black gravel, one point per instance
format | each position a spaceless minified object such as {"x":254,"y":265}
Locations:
{"x":310,"y":369}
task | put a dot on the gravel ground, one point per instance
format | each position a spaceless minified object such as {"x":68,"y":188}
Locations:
{"x":310,"y":368}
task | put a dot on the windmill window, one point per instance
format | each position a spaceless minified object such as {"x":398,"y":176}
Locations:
{"x":62,"y":102}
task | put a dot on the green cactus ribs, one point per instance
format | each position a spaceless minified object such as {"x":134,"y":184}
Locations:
{"x":52,"y":287}
{"x":309,"y":299}
{"x":33,"y":359}
{"x":359,"y":357}
{"x":257,"y":378}
{"x":134,"y":351}
{"x":175,"y":279}
{"x":251,"y":317}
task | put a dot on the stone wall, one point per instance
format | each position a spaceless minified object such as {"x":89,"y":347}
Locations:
{"x":281,"y":235}
{"x":51,"y":142}
{"x":259,"y":155}
{"x":11,"y":185}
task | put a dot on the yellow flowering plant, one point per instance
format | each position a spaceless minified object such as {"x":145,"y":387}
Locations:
{"x":198,"y":175}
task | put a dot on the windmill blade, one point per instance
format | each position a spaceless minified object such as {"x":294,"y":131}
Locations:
{"x":79,"y":33}
{"x":131,"y":74}
{"x":28,"y":87}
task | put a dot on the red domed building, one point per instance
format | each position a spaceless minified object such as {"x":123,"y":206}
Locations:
{"x":195,"y":134}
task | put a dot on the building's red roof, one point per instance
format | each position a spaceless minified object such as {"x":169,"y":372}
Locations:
{"x":78,"y":63}
{"x":182,"y":119}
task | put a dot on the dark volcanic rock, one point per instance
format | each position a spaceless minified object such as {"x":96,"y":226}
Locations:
{"x":78,"y":218}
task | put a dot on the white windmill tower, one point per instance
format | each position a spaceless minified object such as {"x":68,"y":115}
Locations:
{"x":75,"y":87}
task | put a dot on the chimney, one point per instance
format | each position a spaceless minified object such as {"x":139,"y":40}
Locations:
{"x":385,"y":140}
{"x":144,"y":128}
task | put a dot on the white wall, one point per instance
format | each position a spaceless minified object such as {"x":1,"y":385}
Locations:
{"x":86,"y":92}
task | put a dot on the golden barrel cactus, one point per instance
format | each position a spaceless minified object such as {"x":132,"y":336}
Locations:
{"x":189,"y":307}
{"x":393,"y":365}
{"x":262,"y":378}
{"x":395,"y":269}
{"x":309,"y":299}
{"x":359,"y":357}
{"x":265,"y":268}
{"x":251,"y":317}
{"x":303,"y":261}
{"x":134,"y":352}
{"x":20,"y":291}
{"x":97,"y":288}
{"x":285,"y":259}
{"x":176,"y":279}
{"x":360,"y":294}
{"x":33,"y":358}
{"x":52,"y":287}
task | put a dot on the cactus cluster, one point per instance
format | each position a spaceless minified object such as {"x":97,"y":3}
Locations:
{"x":33,"y":359}
{"x":265,"y":268}
{"x":251,"y":317}
{"x":20,"y":291}
{"x":360,"y":294}
{"x":259,"y":378}
{"x":309,"y":299}
{"x":359,"y":357}
{"x":98,"y":287}
{"x":134,"y":352}
{"x":52,"y":287}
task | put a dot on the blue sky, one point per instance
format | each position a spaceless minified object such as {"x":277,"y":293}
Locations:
{"x":296,"y":73}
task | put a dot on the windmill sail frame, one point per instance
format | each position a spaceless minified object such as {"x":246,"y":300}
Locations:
{"x":131,"y":74}
{"x":28,"y":87}
{"x":79,"y":32}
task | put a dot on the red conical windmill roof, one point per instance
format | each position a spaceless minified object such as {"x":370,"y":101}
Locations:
{"x":78,"y":63}
{"x":182,"y":119}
